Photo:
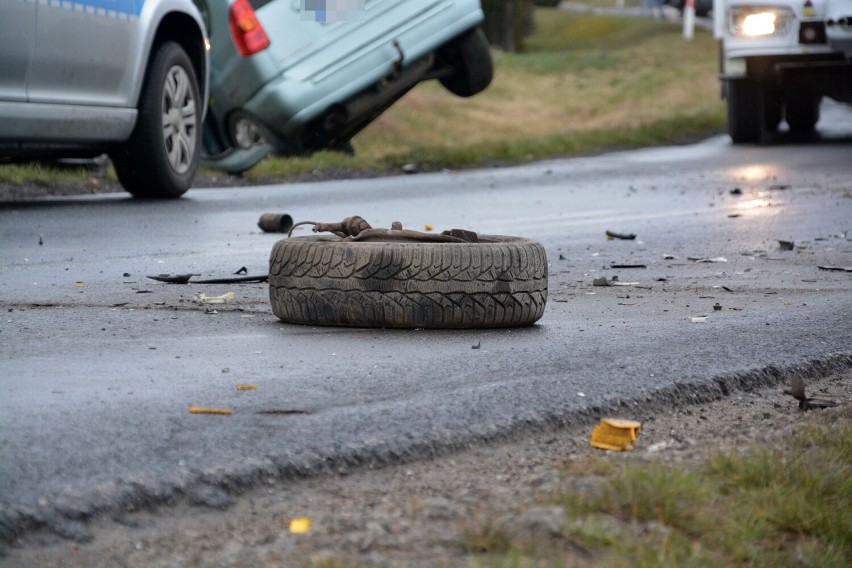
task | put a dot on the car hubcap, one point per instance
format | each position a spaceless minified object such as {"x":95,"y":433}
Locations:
{"x":179,"y":119}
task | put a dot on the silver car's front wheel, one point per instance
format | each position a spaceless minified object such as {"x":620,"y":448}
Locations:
{"x":162,"y":155}
{"x":180,"y":119}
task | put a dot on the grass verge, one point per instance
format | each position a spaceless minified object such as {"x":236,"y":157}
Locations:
{"x":789,"y":505}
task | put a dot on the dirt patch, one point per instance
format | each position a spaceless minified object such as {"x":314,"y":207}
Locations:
{"x":415,"y":514}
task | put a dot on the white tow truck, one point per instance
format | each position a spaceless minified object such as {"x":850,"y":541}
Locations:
{"x":779,"y":58}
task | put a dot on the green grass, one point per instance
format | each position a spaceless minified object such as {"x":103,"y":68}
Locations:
{"x":586,"y":84}
{"x":785,"y":506}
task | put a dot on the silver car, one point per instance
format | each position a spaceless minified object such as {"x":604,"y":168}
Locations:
{"x":126,"y":77}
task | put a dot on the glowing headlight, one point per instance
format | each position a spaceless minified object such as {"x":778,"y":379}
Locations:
{"x":759,"y":21}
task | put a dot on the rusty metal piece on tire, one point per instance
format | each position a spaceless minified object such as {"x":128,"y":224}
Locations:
{"x":275,"y":223}
{"x":615,"y":434}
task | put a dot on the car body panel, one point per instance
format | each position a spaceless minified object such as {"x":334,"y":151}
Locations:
{"x":17,"y":28}
{"x":79,"y":91}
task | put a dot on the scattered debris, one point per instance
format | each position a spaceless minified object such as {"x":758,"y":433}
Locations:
{"x":278,"y":412}
{"x":172,"y":278}
{"x":615,"y":434}
{"x":627,"y":266}
{"x":237,"y":280}
{"x":205,"y":410}
{"x":786,"y":245}
{"x":40,"y":240}
{"x":187,"y":278}
{"x":669,"y":257}
{"x":717,"y":306}
{"x":602,"y":281}
{"x":477,"y":346}
{"x":797,"y":391}
{"x":200,"y":298}
{"x":736,"y":191}
{"x":836,"y":268}
{"x":734,"y":215}
{"x":246,"y":387}
{"x":780,"y":186}
{"x":300,"y":525}
{"x":275,"y":223}
{"x":623,"y":236}
{"x":698,"y":319}
{"x":699,"y":259}
{"x":410,"y":168}
{"x":428,"y":226}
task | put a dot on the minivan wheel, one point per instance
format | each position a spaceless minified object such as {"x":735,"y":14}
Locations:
{"x":469,"y":57}
{"x":161,"y":157}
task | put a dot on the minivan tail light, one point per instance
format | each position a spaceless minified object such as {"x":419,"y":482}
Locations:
{"x":249,"y":36}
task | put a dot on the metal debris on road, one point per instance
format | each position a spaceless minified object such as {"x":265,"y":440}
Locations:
{"x":717,"y":306}
{"x":172,"y":278}
{"x":836,"y":268}
{"x":736,"y":191}
{"x":628,"y":266}
{"x":477,"y":346}
{"x":201,"y":298}
{"x":623,"y":236}
{"x":786,"y":245}
{"x":206,"y":410}
{"x":700,"y":259}
{"x":615,"y":434}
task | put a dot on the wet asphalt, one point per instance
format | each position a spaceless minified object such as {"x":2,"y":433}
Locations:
{"x":99,"y":364}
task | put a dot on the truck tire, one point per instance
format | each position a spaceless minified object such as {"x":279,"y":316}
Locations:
{"x":469,"y":57}
{"x":802,"y":111}
{"x":745,"y":111}
{"x":773,"y":111}
{"x":496,"y":282}
{"x":162,"y":155}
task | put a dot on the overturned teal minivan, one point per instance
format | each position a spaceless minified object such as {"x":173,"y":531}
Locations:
{"x":296,"y":76}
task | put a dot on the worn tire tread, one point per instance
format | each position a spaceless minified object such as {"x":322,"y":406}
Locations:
{"x":499,"y":283}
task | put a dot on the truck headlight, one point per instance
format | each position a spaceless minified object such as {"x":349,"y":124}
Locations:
{"x":759,"y":21}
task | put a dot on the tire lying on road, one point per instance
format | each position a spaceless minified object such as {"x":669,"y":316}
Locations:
{"x":496,"y":282}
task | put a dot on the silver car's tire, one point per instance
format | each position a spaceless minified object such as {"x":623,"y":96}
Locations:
{"x":497,"y":282}
{"x":161,"y":157}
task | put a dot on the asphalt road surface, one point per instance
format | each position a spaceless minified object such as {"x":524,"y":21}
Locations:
{"x":98,"y":364}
